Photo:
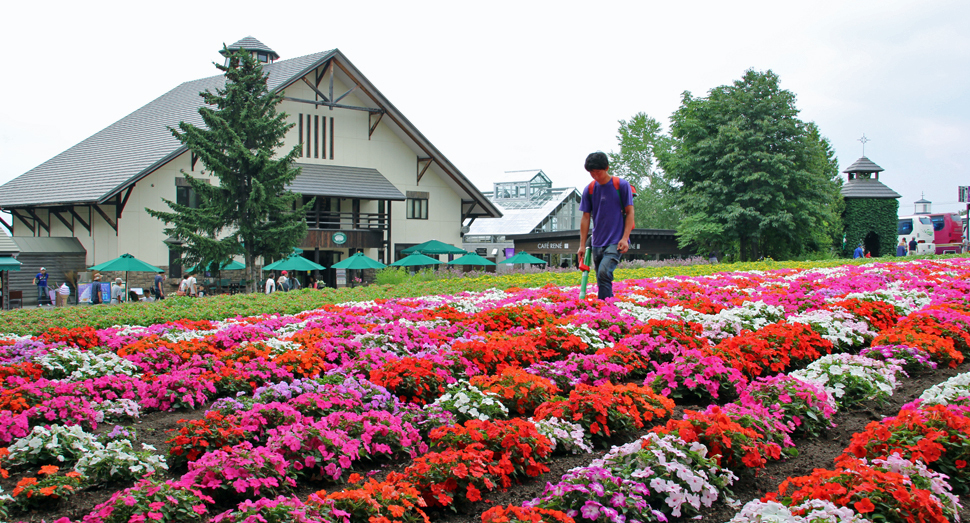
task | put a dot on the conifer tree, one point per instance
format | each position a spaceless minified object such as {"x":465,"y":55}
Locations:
{"x":250,"y":211}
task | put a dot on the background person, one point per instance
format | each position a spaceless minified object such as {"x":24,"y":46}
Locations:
{"x":913,"y":244}
{"x":40,"y":280}
{"x":858,"y":252}
{"x":270,"y":284}
{"x":157,"y":292}
{"x":117,"y":292}
{"x":611,"y":210}
{"x":96,"y":290}
{"x":901,"y":248}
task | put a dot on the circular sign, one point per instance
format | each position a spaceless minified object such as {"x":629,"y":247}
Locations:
{"x":339,"y":238}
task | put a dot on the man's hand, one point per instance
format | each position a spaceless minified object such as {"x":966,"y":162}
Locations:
{"x":623,"y":246}
{"x":582,"y":254}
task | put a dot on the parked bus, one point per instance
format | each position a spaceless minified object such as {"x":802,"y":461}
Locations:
{"x":948,"y":233}
{"x":919,"y":226}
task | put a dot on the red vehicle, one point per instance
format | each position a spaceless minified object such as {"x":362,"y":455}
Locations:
{"x":948,"y":233}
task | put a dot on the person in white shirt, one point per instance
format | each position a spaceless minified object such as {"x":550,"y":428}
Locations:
{"x":192,"y":285}
{"x":184,"y":286}
{"x":270,"y":284}
{"x":117,"y":292}
{"x":281,"y":282}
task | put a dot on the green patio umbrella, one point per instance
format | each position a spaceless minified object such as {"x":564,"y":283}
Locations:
{"x":294,"y":262}
{"x":358,"y":261}
{"x":471,"y":259}
{"x":231,"y":265}
{"x":126,"y":263}
{"x":415,"y":260}
{"x":434,"y":247}
{"x":524,"y":257}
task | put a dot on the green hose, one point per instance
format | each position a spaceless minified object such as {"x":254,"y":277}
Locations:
{"x":585,"y":267}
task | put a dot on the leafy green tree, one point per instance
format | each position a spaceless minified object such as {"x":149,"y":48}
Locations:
{"x":754,"y":178}
{"x":655,"y":206}
{"x":250,"y":211}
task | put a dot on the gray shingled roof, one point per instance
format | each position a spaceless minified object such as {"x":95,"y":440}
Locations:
{"x":48,"y":245}
{"x":7,"y":245}
{"x":251,"y":44}
{"x":131,"y":148}
{"x":867,"y":188}
{"x":331,"y":180}
{"x":863,"y":165}
{"x":517,"y":221}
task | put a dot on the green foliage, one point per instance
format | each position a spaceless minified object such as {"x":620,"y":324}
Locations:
{"x":865,"y":215}
{"x":655,"y":206}
{"x":391,"y":276}
{"x":755,"y":179}
{"x":250,"y":211}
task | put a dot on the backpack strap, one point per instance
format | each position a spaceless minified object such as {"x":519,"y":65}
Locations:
{"x":616,"y":185}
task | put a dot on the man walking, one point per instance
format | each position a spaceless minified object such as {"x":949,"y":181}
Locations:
{"x":913,"y":244}
{"x":609,"y":203}
{"x":40,"y":280}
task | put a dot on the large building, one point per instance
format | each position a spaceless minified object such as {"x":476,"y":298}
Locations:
{"x":379,"y":183}
{"x":530,"y":205}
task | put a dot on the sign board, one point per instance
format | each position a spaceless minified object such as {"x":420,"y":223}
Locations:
{"x":481,"y":251}
{"x":339,"y":238}
{"x":964,"y":194}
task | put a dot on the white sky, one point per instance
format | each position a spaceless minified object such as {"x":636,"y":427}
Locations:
{"x":522,"y":85}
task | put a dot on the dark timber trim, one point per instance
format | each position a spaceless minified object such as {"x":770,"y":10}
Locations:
{"x":315,"y":90}
{"x":23,"y":219}
{"x":113,"y":224}
{"x":57,"y":214}
{"x":46,"y":226}
{"x":423,"y":169}
{"x":6,"y":225}
{"x":78,"y":218}
{"x":333,"y":105}
{"x":373,"y":123}
{"x":121,"y":204}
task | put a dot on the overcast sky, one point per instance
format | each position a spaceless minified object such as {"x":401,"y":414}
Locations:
{"x":502,"y":86}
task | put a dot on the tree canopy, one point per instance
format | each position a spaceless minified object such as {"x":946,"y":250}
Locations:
{"x":754,"y":179}
{"x":250,"y":211}
{"x":655,"y":206}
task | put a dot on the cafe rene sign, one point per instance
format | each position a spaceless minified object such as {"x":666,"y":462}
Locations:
{"x":563,"y":247}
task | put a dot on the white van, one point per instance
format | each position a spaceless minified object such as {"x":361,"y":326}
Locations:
{"x":920,"y":226}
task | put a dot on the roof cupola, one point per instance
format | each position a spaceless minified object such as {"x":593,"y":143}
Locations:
{"x":260,"y":51}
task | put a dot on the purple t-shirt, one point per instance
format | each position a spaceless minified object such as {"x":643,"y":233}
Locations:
{"x":607,"y":212}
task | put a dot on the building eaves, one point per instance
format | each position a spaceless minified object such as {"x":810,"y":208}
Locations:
{"x":863,"y":165}
{"x":344,"y":182}
{"x":867,"y":188}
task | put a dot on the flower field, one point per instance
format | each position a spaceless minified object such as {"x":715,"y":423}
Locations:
{"x":420,"y":409}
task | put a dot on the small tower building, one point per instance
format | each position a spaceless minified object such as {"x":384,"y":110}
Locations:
{"x":871,"y":210}
{"x":260,"y":51}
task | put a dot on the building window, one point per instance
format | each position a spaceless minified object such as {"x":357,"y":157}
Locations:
{"x":262,"y":57}
{"x":331,"y":138}
{"x":417,"y":205}
{"x":308,"y":136}
{"x":301,"y":133}
{"x":417,"y":208}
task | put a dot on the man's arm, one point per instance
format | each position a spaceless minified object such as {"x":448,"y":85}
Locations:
{"x":583,"y":233}
{"x":624,"y":244}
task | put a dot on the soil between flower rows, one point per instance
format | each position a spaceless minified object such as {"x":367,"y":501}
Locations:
{"x":812,"y":454}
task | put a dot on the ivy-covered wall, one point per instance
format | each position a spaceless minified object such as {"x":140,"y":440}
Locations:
{"x":865,"y":215}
